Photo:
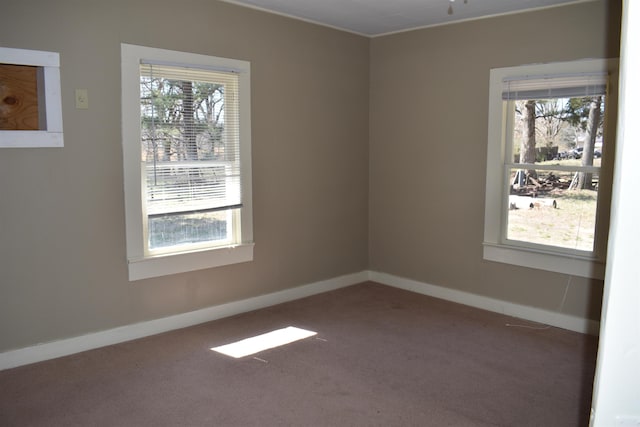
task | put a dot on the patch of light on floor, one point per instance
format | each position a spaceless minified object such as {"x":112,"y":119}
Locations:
{"x":262,"y":342}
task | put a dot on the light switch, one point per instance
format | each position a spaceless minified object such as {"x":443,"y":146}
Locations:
{"x":82,"y":99}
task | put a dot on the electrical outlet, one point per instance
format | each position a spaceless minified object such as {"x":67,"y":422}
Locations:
{"x":82,"y":99}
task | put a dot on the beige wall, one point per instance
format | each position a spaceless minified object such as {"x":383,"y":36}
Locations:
{"x":348,"y":174}
{"x":63,"y":265}
{"x":428,"y":127}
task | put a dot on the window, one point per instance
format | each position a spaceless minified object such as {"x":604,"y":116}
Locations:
{"x":549,"y":166}
{"x":187,"y":161}
{"x":30,"y":102}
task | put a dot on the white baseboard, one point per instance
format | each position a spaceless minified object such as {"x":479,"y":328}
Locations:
{"x":65,"y":347}
{"x":564,"y":321}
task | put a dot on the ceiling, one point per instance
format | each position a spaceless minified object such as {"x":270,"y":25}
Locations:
{"x":378,"y":17}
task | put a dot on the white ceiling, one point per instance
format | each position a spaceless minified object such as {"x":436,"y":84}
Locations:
{"x":377,"y":17}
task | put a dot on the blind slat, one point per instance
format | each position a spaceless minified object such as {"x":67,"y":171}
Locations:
{"x":182,"y":132}
{"x":187,"y":74}
{"x":171,"y":189}
{"x":551,"y":87}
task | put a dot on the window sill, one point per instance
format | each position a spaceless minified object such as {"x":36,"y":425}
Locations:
{"x":163,"y":265}
{"x":559,"y":263}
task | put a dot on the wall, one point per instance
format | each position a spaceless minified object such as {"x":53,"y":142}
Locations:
{"x":428,"y":127}
{"x":63,"y":269}
{"x":328,"y":199}
{"x":615,"y":398}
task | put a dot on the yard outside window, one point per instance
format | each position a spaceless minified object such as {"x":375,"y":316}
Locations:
{"x":548,"y":151}
{"x":186,"y":140}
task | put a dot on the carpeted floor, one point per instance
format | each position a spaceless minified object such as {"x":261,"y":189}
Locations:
{"x":381,"y":357}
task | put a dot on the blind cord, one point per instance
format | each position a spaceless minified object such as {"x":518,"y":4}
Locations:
{"x":560,"y":307}
{"x":154,"y":144}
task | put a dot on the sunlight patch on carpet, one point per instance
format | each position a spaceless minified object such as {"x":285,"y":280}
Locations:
{"x":256,"y":344}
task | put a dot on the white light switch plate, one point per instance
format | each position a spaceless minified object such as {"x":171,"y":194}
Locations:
{"x":82,"y":99}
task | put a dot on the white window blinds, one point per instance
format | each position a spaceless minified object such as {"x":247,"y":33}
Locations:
{"x":550,"y":87}
{"x":189,"y":139}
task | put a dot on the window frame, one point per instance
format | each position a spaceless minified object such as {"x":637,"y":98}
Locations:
{"x":496,"y":246}
{"x":49,"y":96}
{"x":143,"y":263}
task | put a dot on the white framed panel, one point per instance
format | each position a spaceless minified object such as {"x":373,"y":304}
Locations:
{"x":49,"y":94}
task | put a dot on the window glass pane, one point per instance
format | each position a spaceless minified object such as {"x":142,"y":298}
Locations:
{"x":552,"y":209}
{"x":558,"y":129}
{"x":555,"y":203}
{"x":191,"y":228}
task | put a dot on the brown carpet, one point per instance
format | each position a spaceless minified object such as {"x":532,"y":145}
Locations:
{"x":382,"y":357}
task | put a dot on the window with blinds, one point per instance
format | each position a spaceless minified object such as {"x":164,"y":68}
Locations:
{"x":190,"y":149}
{"x":186,"y":127}
{"x":548,"y":165}
{"x":554,"y":134}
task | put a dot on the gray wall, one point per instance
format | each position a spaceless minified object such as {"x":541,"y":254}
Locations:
{"x":63,"y":265}
{"x":428,"y":127}
{"x":348,"y":173}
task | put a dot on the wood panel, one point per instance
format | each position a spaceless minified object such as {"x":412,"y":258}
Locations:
{"x":18,"y":97}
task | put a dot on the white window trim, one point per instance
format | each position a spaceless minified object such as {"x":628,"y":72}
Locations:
{"x":50,"y":97}
{"x":142,"y":265}
{"x":496,"y":247}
